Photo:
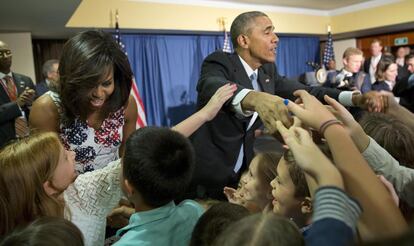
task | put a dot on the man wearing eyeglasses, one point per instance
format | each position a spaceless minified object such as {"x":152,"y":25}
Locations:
{"x":17,"y":93}
{"x":51,"y":75}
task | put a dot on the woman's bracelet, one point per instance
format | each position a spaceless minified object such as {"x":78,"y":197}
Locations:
{"x":326,"y":124}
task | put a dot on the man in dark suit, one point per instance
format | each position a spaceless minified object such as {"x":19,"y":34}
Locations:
{"x":370,"y":64}
{"x":350,"y":77}
{"x":404,"y":88}
{"x":224,"y":146}
{"x":16,"y":94}
{"x":51,"y":75}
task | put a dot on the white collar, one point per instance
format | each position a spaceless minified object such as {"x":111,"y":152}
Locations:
{"x":347,"y":73}
{"x":377,"y":58}
{"x":2,"y":75}
{"x":390,"y":84}
{"x":247,"y":68}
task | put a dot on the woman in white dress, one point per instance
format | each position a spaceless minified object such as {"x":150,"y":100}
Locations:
{"x":38,"y":178}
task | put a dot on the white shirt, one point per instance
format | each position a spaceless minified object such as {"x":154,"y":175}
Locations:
{"x":3,"y":81}
{"x":390,"y":84}
{"x":373,"y":67}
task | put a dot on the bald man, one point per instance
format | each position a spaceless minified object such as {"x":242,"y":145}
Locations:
{"x":17,"y":92}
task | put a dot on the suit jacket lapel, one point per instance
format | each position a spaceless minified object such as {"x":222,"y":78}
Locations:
{"x":4,"y":97}
{"x":240,"y":73}
{"x":266,"y":82}
{"x":20,"y":84}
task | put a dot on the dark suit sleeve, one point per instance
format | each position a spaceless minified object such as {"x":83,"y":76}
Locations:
{"x":30,"y":84}
{"x":367,"y":63}
{"x":285,"y":87}
{"x":8,"y":112}
{"x":215,"y":72}
{"x":401,"y":87}
{"x":366,"y":84}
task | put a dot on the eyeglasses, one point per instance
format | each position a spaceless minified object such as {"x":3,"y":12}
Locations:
{"x":5,"y":53}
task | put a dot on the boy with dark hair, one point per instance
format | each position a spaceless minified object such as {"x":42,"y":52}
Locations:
{"x":157,"y":167}
{"x":215,"y":220}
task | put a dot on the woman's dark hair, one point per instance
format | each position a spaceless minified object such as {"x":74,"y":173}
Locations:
{"x":87,"y":59}
{"x":385,"y":62}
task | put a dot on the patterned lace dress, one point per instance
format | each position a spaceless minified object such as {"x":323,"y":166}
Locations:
{"x":91,"y":198}
{"x":94,"y":148}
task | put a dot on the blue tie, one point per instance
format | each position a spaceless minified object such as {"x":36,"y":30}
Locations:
{"x":239,"y":162}
{"x":255,"y":85}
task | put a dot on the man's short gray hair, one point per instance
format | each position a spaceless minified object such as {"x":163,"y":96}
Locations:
{"x":242,"y":25}
{"x":48,"y":66}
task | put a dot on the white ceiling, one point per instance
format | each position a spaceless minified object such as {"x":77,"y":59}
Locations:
{"x":47,"y":18}
{"x":308,"y":4}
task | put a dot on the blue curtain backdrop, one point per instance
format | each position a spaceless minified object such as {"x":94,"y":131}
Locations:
{"x":167,"y":67}
{"x":294,"y":52}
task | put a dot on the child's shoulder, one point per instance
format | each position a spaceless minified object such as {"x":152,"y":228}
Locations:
{"x":191,"y":206}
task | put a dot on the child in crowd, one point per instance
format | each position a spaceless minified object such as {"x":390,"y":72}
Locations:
{"x":261,"y":229}
{"x":377,"y":157}
{"x":214,"y":221}
{"x":335,"y":214}
{"x":392,"y":134}
{"x":254,"y":190}
{"x":380,"y":214}
{"x":46,"y":231}
{"x":157,"y":168}
{"x":291,"y":195}
{"x":38,"y":179}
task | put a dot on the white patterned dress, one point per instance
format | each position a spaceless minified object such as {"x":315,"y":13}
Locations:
{"x":91,"y":198}
{"x":94,"y":148}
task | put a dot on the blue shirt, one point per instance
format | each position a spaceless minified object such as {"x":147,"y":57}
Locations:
{"x":166,"y":225}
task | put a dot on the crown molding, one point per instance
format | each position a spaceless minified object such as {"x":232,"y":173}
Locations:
{"x":273,"y":8}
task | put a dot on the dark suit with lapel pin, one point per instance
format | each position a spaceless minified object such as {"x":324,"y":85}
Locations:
{"x":217,"y":143}
{"x":9,"y":110}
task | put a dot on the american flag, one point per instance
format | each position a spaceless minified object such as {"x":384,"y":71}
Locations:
{"x":141,"y":119}
{"x":329,"y":52}
{"x":226,"y":44}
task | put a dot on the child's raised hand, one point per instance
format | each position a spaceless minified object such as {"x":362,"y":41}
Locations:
{"x":215,"y":103}
{"x":231,"y":195}
{"x":313,"y":113}
{"x":358,"y":135}
{"x":302,"y":146}
{"x":309,"y":157}
{"x":390,"y":188}
{"x":340,"y":112}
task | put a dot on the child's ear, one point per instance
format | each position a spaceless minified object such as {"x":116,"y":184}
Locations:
{"x":128,"y":188}
{"x":49,"y":188}
{"x":306,"y":206}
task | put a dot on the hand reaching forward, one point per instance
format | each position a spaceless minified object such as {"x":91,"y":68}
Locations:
{"x":313,"y":113}
{"x":373,"y":101}
{"x":356,"y":132}
{"x":271,"y":109}
{"x":215,"y":103}
{"x":308,"y":156}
